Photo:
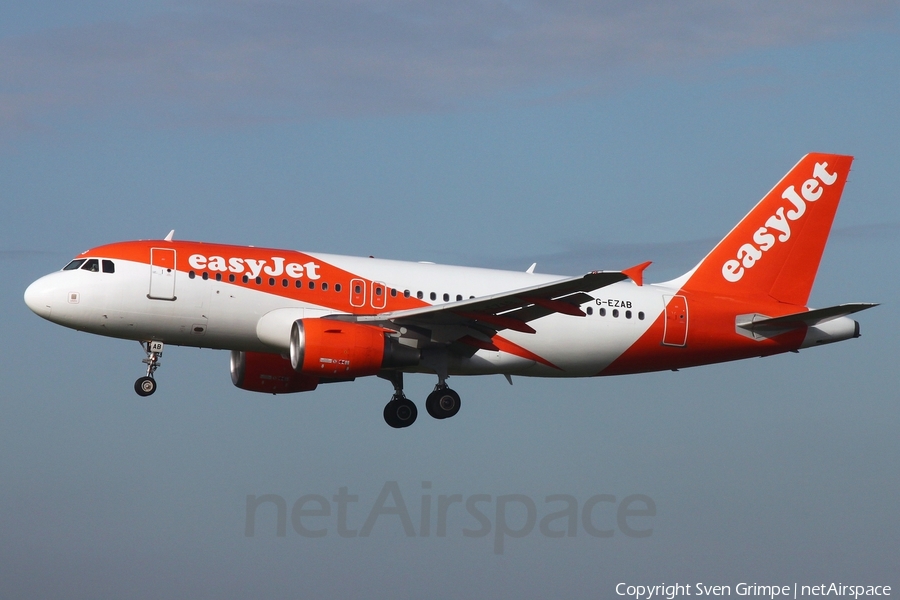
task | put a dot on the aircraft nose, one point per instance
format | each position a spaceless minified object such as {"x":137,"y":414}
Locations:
{"x":37,"y":297}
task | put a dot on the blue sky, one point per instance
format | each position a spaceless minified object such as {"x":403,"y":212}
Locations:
{"x":577,"y":135}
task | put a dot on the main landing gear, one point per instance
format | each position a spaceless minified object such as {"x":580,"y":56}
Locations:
{"x":442,"y":403}
{"x":401,"y":412}
{"x":146,"y":385}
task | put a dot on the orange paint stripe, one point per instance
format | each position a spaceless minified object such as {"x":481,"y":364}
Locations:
{"x":507,"y":346}
{"x":499,"y":321}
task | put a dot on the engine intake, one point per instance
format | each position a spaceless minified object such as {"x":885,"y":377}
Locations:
{"x":328,"y":348}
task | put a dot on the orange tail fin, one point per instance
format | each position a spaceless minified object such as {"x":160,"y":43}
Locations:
{"x":775,"y":250}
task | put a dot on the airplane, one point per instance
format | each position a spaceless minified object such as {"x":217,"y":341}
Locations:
{"x":293,"y":320}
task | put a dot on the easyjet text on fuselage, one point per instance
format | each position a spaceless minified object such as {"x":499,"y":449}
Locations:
{"x":273,"y":267}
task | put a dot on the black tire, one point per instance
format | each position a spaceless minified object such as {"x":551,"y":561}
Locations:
{"x":442,"y":403}
{"x":145,"y":386}
{"x":389,"y":417}
{"x":431,"y":405}
{"x":400,"y":413}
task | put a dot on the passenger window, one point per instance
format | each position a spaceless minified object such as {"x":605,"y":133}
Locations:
{"x":205,"y":275}
{"x":312,"y":285}
{"x":446,"y":297}
{"x":109,"y":266}
{"x":337,"y":287}
{"x":616,"y":313}
{"x":406,"y":293}
{"x":641,"y":316}
{"x":92,"y":265}
{"x":218,"y":277}
{"x":602,"y":312}
{"x":419,"y":295}
{"x":459,"y":297}
{"x":231,"y":278}
{"x":393,"y":293}
{"x":433,"y":296}
{"x":325,"y":287}
{"x":590,"y":310}
{"x":74,"y":264}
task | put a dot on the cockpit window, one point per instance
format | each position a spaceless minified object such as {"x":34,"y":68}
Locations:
{"x":74,"y":264}
{"x":91,"y":264}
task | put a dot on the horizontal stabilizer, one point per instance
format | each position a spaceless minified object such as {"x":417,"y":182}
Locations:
{"x":810,"y":318}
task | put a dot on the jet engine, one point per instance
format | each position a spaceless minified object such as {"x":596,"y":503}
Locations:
{"x":269,"y":373}
{"x":335,"y":349}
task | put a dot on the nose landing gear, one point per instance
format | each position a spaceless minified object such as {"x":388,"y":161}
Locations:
{"x":146,"y":385}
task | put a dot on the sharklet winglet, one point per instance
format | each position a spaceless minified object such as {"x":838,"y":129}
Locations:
{"x":636,"y":273}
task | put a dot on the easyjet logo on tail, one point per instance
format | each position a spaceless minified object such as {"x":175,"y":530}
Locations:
{"x":778,"y":226}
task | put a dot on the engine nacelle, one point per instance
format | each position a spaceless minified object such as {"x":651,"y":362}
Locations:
{"x":328,"y":348}
{"x":269,"y":373}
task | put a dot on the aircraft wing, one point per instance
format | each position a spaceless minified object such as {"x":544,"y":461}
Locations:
{"x":480,"y":317}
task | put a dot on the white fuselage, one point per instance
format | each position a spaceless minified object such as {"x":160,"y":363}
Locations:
{"x":218,"y":314}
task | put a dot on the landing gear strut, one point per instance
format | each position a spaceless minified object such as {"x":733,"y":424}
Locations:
{"x":400,"y":411}
{"x":443,"y":402}
{"x":146,"y":385}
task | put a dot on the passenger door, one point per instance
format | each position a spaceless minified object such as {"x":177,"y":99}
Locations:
{"x":162,"y":274}
{"x":676,"y":324}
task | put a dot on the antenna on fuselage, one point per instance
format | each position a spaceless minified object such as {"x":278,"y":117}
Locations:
{"x":168,"y":238}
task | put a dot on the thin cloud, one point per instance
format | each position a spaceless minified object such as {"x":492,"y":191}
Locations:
{"x":15,"y":255}
{"x":227,"y":63}
{"x":871,"y":231}
{"x":670,"y":258}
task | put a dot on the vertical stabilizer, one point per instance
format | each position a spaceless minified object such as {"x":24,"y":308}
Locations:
{"x":775,"y":250}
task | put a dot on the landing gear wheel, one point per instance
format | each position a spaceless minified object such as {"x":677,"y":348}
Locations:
{"x":400,"y":412}
{"x":145,"y":386}
{"x":442,"y":403}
